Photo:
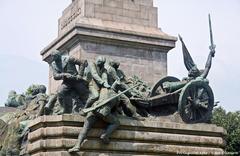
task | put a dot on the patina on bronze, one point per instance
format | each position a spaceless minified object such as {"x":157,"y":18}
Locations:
{"x":193,"y":95}
{"x":100,"y":89}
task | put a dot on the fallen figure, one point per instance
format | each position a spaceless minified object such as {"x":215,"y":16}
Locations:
{"x":102,"y":109}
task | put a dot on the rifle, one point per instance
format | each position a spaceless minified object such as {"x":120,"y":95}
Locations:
{"x":102,"y":103}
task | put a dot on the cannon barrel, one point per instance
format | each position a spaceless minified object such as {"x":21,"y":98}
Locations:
{"x":173,"y":86}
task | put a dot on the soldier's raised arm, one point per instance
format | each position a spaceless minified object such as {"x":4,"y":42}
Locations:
{"x":212,"y":51}
{"x":208,"y":65}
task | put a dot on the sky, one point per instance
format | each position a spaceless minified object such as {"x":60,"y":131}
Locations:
{"x":28,"y":26}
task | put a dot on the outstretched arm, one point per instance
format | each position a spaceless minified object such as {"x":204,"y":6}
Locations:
{"x":208,"y":64}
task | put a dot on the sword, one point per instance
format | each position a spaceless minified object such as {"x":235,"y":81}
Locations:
{"x":212,"y":46}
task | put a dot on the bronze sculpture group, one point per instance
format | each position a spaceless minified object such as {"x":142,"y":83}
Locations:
{"x":98,"y":81}
{"x":110,"y":92}
{"x":99,"y":89}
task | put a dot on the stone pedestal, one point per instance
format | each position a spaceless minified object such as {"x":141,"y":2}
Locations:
{"x":123,"y":30}
{"x":54,"y":135}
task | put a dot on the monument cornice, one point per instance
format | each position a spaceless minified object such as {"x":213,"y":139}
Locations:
{"x":148,"y":38}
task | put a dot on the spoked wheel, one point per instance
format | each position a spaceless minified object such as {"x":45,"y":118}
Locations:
{"x":196,"y":102}
{"x":158,"y":87}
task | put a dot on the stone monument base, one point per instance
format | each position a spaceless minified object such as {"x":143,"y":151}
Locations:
{"x":54,"y":135}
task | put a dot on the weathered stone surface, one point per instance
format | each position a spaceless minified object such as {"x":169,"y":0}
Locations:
{"x":124,"y":30}
{"x":131,"y":147}
{"x":110,"y":10}
{"x":4,"y":110}
{"x":56,"y":134}
{"x":64,"y":153}
{"x":137,"y":54}
{"x":69,"y":132}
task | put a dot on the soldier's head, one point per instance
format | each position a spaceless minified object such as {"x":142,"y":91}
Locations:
{"x":194,"y":72}
{"x":55,"y":55}
{"x":12,"y":93}
{"x":42,"y":89}
{"x":100,"y":61}
{"x":36,"y":89}
{"x":115,"y":64}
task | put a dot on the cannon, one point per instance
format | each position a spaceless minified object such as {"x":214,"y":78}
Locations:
{"x":194,"y":98}
{"x":193,"y":95}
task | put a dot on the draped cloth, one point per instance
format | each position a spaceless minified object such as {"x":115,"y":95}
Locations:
{"x":188,"y":61}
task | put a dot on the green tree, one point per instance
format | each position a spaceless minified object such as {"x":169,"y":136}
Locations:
{"x":231,"y":122}
{"x":30,"y":89}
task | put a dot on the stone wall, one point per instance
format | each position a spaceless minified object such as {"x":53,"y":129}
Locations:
{"x":123,"y":30}
{"x":140,"y":12}
{"x":137,"y":12}
{"x":54,"y":135}
{"x":148,"y":64}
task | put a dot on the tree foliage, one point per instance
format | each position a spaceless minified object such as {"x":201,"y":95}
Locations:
{"x":231,"y":122}
{"x":30,"y":89}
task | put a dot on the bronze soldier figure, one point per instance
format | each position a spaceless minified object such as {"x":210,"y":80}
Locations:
{"x":93,"y":74}
{"x":114,"y":74}
{"x":64,"y":68}
{"x":14,"y":99}
{"x":105,"y":112}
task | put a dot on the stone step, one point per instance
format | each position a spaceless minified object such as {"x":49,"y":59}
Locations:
{"x":120,"y":146}
{"x":159,"y":125}
{"x":65,"y":153}
{"x":54,"y":135}
{"x":67,"y":132}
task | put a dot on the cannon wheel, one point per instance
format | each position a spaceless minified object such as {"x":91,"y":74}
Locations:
{"x":196,"y":102}
{"x":158,"y":87}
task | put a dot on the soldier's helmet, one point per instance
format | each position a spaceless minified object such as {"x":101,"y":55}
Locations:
{"x":100,"y":60}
